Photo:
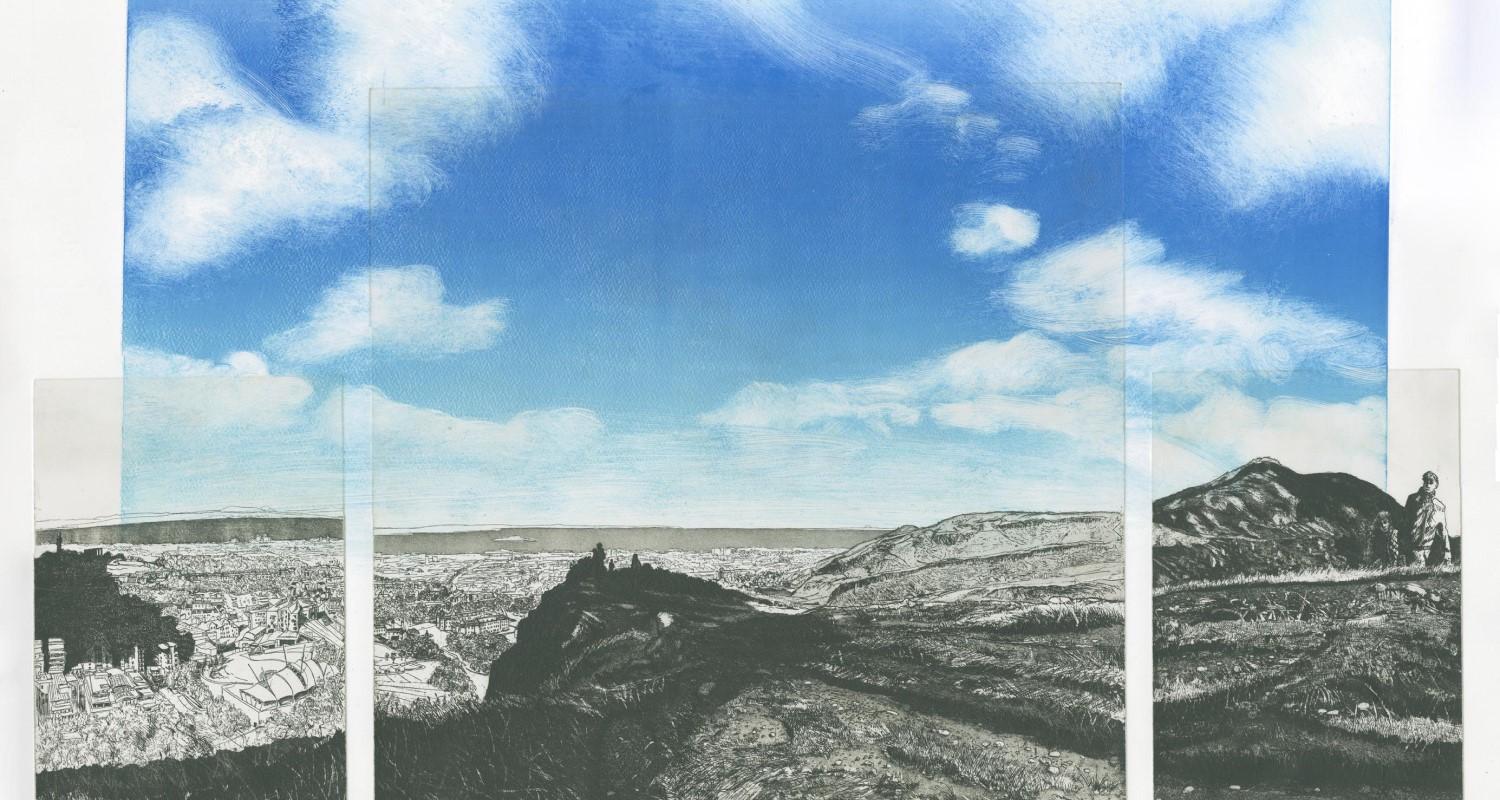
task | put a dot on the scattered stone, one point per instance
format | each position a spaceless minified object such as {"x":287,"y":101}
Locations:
{"x":1187,"y":790}
{"x":1413,"y":589}
{"x":1054,"y":754}
{"x":1053,"y":770}
{"x":944,"y":732}
{"x":1362,"y":707}
{"x":1234,"y":787}
{"x":1333,"y":712}
{"x":1379,"y":587}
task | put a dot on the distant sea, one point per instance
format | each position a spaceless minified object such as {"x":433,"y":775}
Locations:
{"x":553,"y":540}
{"x":185,"y":531}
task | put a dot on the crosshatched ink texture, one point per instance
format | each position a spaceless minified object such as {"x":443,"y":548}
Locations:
{"x":748,"y":395}
{"x":1307,"y":624}
{"x":181,"y":649}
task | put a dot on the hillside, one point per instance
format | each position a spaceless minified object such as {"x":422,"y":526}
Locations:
{"x":998,"y":555}
{"x":183,"y":531}
{"x":615,"y":627}
{"x":1289,"y":661}
{"x":641,"y":682}
{"x":1264,"y":518}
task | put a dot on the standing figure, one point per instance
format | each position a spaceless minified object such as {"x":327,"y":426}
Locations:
{"x":1385,"y":541}
{"x":1428,"y":520}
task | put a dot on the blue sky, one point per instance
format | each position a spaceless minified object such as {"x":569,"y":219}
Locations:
{"x":761,"y":261}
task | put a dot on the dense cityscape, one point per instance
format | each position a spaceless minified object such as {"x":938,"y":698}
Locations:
{"x":255,"y":654}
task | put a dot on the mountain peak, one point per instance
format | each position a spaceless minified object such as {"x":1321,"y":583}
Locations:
{"x":1264,"y":517}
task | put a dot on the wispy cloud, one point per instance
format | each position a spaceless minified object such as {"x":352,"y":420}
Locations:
{"x":1287,"y":93}
{"x":1308,"y":102}
{"x":573,"y":469}
{"x":1120,"y":286}
{"x":199,"y":434}
{"x":983,"y":229}
{"x":1092,"y":413}
{"x":397,"y":310}
{"x":234,"y":165}
{"x":919,"y":104}
{"x":1053,"y":49}
{"x":788,"y":29}
{"x":235,"y":393}
{"x":412,"y":435}
{"x":986,"y":386}
{"x":1228,"y":428}
{"x":931,"y":103}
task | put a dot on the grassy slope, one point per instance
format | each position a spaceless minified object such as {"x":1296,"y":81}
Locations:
{"x":1249,"y":676}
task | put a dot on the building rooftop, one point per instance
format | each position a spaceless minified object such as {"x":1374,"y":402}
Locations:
{"x":294,"y":679}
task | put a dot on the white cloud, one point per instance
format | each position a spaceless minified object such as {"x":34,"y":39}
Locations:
{"x":786,"y":28}
{"x":236,"y":166}
{"x":1228,"y":428}
{"x":931,"y":103}
{"x":1011,"y":155}
{"x":1092,"y":413}
{"x":776,"y":405}
{"x":416,"y":436}
{"x":405,"y":309}
{"x":987,"y":386}
{"x":695,"y":476}
{"x":146,"y":362}
{"x":983,"y":229}
{"x":198,"y":435}
{"x":238,"y":392}
{"x":1308,"y":102}
{"x":1280,"y":93}
{"x":1027,"y":362}
{"x":1187,"y":318}
{"x":1063,"y":45}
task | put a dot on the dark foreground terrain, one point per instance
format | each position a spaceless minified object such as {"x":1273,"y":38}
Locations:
{"x":1331,"y":674}
{"x":645,"y":683}
{"x":282,"y":770}
{"x":1346,"y":681}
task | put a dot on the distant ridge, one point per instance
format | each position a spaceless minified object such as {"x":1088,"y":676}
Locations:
{"x":186,"y":531}
{"x":639,"y":529}
{"x":1009,"y":555}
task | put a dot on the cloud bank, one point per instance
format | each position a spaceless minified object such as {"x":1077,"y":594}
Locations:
{"x":1119,"y":286}
{"x":234,"y":165}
